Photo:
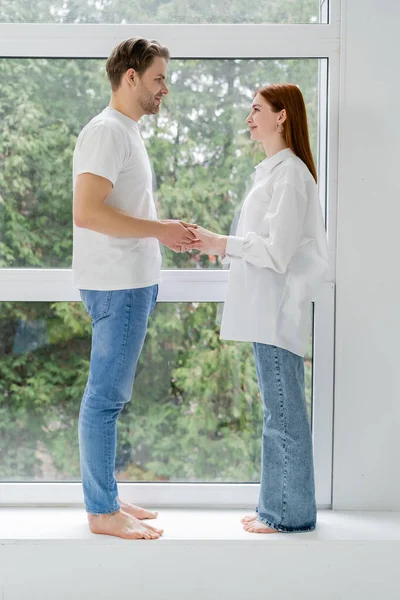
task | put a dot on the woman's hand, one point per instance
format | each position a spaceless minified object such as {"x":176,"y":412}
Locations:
{"x":207,"y":242}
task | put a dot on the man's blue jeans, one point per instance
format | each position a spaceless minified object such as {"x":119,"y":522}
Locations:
{"x":287,"y":492}
{"x":119,"y":325}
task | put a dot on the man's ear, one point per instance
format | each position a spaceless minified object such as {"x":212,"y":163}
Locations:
{"x":131,"y":76}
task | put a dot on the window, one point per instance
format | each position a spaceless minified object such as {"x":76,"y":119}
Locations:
{"x":195,"y":413}
{"x":163,"y":11}
{"x":52,"y":82}
{"x":199,"y":146}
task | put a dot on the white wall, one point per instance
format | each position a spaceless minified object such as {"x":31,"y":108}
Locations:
{"x":367,"y":388}
{"x":104,"y":570}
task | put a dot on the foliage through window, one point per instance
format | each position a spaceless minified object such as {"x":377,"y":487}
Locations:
{"x":160,"y":11}
{"x":199,"y":147}
{"x":195,"y":412}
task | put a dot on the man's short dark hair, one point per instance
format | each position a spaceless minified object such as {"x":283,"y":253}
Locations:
{"x":135,"y":53}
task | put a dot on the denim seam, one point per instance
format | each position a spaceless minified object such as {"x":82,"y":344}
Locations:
{"x":283,"y":529}
{"x":122,"y":356}
{"x":107,"y":449}
{"x":284,"y":427}
{"x":103,"y":512}
{"x":121,"y":363}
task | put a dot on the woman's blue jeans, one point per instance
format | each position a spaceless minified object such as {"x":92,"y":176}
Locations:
{"x":287,"y":491}
{"x":119,"y":325}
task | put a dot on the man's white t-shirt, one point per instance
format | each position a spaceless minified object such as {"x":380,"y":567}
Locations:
{"x":111,"y":146}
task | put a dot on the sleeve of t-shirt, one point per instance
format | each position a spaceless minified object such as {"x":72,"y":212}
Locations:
{"x":101,"y":150}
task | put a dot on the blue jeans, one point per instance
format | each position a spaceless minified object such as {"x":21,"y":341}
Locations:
{"x":119,"y":325}
{"x":287,"y":491}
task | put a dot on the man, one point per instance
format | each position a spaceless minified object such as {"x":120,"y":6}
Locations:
{"x":116,"y":263}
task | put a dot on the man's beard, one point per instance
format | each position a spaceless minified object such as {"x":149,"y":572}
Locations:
{"x":147,"y":101}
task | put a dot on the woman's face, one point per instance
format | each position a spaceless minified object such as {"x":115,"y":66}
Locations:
{"x":263,"y":122}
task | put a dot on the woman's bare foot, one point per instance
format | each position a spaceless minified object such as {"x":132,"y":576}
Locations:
{"x":137,"y":511}
{"x":255,"y":526}
{"x":249,"y":518}
{"x":121,"y":524}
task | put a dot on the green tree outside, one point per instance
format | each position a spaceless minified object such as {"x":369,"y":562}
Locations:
{"x":195,"y":413}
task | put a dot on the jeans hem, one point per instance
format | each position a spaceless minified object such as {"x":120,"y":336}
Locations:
{"x":103,"y":512}
{"x":283,"y":529}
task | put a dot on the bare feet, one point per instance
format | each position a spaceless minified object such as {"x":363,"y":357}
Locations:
{"x":121,"y":524}
{"x":249,"y":518}
{"x":136,"y":511}
{"x":255,"y":526}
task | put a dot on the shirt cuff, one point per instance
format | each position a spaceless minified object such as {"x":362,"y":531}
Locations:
{"x":234,"y":246}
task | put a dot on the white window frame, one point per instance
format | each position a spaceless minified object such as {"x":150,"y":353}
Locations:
{"x":50,"y":285}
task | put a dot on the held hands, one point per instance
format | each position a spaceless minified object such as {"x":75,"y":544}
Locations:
{"x":180,"y":236}
{"x":206,"y":241}
{"x":177,"y":234}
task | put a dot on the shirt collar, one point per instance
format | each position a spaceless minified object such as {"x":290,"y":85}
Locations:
{"x":123,"y":118}
{"x":269,"y":163}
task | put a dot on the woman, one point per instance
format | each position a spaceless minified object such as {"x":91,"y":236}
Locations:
{"x":278,"y":258}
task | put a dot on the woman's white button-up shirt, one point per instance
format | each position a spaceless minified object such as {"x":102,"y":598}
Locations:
{"x":278,"y":257}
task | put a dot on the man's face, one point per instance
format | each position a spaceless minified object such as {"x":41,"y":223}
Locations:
{"x":151,"y":86}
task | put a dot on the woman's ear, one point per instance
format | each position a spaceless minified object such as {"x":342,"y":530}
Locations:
{"x":282,"y":116}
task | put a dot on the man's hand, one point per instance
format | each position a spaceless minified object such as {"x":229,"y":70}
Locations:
{"x":207,"y":242}
{"x":176,"y":234}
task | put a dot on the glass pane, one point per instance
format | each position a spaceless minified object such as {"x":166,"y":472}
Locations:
{"x":199,"y":146}
{"x":163,"y":11}
{"x":195,"y":413}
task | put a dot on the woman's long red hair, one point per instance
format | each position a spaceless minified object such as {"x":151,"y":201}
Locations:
{"x":295,"y":129}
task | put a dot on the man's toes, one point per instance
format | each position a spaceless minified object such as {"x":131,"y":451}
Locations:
{"x":150,"y":514}
{"x":154,"y":529}
{"x":153,"y":535}
{"x":146,"y":535}
{"x":150,"y":531}
{"x":134,"y":535}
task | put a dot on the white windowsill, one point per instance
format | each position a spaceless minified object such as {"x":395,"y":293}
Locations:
{"x":49,"y":554}
{"x":54,"y":524}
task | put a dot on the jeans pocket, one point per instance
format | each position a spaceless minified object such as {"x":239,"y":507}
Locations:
{"x":97,"y":303}
{"x":155,"y":297}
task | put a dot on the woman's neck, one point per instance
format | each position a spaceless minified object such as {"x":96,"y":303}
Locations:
{"x":273,"y":146}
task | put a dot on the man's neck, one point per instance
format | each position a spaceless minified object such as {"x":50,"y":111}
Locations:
{"x":118,"y":103}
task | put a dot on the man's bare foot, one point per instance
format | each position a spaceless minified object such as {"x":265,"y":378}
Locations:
{"x":121,"y":524}
{"x":137,"y":511}
{"x":258,"y":527}
{"x":249,"y":518}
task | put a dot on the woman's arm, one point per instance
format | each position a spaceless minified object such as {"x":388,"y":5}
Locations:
{"x":275,"y":251}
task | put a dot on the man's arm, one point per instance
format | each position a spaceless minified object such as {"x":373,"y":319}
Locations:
{"x":91,"y":212}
